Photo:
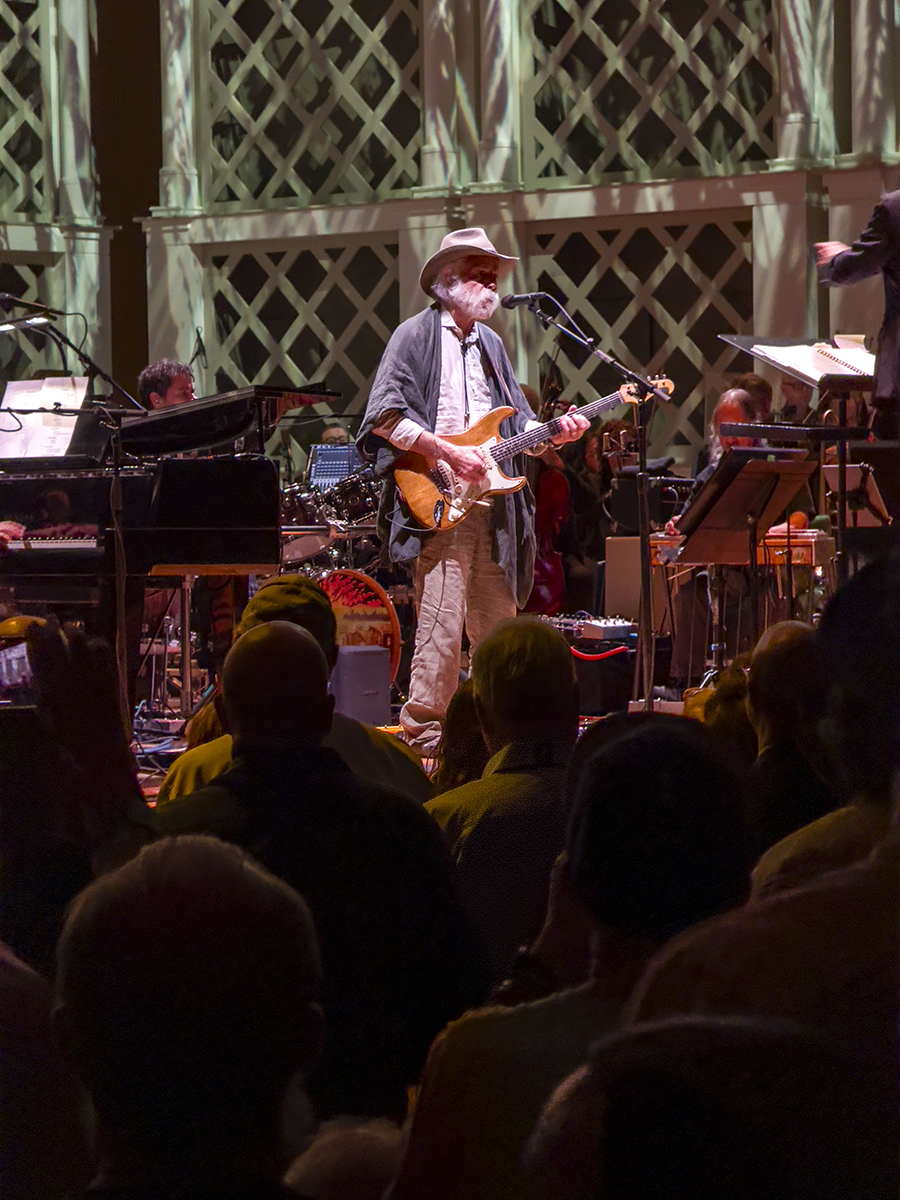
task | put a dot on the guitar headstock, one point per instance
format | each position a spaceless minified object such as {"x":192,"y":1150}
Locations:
{"x":629,"y":391}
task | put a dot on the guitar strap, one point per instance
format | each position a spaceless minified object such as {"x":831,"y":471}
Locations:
{"x":501,"y":382}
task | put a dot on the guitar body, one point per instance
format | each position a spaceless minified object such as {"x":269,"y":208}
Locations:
{"x":435,"y":496}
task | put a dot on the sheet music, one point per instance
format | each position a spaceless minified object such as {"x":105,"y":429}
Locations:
{"x":813,"y":362}
{"x":39,"y":434}
{"x":843,"y":340}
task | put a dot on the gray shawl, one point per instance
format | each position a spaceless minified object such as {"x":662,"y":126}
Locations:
{"x":408,"y":380}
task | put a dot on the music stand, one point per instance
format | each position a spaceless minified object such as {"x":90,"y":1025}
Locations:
{"x":867,"y":516}
{"x":825,"y":370}
{"x":797,"y":357}
{"x":864,"y":505}
{"x":746,"y":493}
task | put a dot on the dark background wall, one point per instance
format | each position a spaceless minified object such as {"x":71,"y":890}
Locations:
{"x":125,"y":110}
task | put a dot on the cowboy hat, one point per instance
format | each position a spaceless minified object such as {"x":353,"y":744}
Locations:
{"x":461,"y":244}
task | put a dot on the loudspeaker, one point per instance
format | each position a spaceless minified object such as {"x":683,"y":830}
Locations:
{"x":605,"y":685}
{"x":622,"y":580}
{"x":361,"y":683}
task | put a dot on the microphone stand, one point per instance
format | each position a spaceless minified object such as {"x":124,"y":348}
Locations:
{"x":647,"y":392}
{"x":112,"y":419}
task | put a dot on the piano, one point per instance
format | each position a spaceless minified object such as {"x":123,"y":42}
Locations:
{"x":216,"y":421}
{"x":179,"y":517}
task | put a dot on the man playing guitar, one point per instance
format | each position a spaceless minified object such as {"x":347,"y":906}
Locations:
{"x":443,"y":372}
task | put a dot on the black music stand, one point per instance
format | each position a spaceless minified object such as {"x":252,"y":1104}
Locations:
{"x":748,"y":491}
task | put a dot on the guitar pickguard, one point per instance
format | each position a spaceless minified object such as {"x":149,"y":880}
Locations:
{"x":460,"y":495}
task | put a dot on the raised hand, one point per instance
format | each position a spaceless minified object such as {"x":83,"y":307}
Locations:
{"x":826,"y":251}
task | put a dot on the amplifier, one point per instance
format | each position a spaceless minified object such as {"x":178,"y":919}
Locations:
{"x":605,"y":652}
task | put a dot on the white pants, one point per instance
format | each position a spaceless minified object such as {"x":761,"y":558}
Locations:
{"x":457,"y":584}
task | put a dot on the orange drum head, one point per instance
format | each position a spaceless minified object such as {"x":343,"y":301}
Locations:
{"x":364,"y":613}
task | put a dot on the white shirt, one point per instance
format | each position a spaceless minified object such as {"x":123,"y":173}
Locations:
{"x":464,"y":396}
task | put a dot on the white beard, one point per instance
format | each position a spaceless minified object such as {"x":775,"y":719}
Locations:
{"x":473,"y":299}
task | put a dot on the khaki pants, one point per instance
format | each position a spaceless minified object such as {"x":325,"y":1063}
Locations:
{"x":457,"y":584}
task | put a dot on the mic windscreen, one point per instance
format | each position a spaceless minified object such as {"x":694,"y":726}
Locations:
{"x":516,"y":301}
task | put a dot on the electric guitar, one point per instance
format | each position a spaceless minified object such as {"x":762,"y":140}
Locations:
{"x":439,"y":499}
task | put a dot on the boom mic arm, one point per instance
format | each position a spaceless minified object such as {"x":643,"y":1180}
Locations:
{"x":7,"y":302}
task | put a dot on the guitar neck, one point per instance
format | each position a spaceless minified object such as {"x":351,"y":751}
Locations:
{"x":522,"y":442}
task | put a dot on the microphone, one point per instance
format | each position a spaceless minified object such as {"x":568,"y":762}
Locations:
{"x":517,"y":301}
{"x":8,"y":301}
{"x":199,"y":350}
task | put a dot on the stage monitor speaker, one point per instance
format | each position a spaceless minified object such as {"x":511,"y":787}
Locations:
{"x":605,"y":685}
{"x":622,"y":583}
{"x":361,"y":683}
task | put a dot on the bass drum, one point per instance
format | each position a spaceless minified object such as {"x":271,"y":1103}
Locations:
{"x":364,"y":613}
{"x":304,"y":509}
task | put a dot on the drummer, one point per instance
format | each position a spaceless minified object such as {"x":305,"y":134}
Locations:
{"x":293,"y":458}
{"x":335,"y":434}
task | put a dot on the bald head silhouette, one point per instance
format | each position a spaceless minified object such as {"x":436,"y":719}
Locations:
{"x":275,"y":688}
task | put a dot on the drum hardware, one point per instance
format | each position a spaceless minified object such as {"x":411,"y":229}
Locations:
{"x":402,"y":593}
{"x":354,"y":501}
{"x":302,"y":511}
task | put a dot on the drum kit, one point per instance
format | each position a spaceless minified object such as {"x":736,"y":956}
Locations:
{"x":329,"y":534}
{"x":331,"y":527}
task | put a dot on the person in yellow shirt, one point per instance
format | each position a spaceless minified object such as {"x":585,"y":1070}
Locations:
{"x":370,"y":753}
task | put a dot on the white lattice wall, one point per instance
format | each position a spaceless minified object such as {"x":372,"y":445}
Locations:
{"x":285,"y":314}
{"x":53,"y":246}
{"x":640,"y":90}
{"x":311,"y":102}
{"x":637,"y":137}
{"x":24,"y":352}
{"x":25,"y":182}
{"x":655,"y":294}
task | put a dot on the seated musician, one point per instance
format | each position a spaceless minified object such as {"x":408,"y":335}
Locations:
{"x":165,"y":383}
{"x":734,"y":407}
{"x":692,"y":608}
{"x":334,"y":434}
{"x":760,"y":392}
{"x":9,"y":531}
{"x":797,"y":398}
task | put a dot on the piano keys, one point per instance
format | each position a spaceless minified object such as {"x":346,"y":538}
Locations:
{"x":179,"y":516}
